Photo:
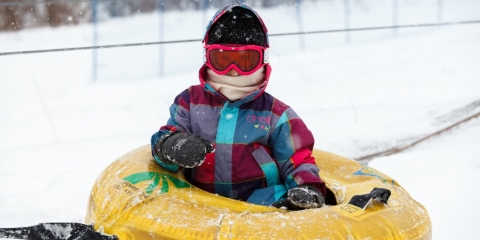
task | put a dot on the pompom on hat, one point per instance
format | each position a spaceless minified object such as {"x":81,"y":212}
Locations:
{"x":236,"y":24}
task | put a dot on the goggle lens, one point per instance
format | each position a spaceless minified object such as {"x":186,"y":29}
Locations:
{"x":246,"y":60}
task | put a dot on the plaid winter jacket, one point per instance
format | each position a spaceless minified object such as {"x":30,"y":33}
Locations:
{"x":262,"y":148}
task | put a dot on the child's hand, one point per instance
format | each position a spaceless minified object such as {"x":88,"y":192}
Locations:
{"x":185,"y":149}
{"x":305,"y":196}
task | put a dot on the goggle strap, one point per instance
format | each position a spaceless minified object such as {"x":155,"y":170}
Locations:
{"x":204,"y":55}
{"x":265,"y":56}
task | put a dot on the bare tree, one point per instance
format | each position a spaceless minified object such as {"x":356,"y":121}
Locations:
{"x":63,"y":13}
{"x":11,"y":15}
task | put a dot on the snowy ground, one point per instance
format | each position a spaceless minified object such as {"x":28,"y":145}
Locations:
{"x":59,"y":130}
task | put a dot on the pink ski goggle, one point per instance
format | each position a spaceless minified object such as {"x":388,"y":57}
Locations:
{"x":245,"y":59}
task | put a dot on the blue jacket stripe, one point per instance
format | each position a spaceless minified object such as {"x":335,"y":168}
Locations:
{"x":283,"y":119}
{"x":268,"y":166}
{"x":267,"y":196}
{"x":271,"y":173}
{"x":280,"y":192}
{"x":227,"y":125}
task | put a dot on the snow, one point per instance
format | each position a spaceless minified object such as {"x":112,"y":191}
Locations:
{"x":59,"y":130}
{"x":62,"y":232}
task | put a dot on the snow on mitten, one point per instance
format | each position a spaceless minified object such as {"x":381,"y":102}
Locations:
{"x":184,"y":149}
{"x":305,"y":196}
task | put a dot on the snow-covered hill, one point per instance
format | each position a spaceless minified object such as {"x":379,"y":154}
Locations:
{"x":59,"y":130}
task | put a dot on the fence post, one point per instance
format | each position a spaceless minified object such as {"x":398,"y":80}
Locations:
{"x":395,"y":17}
{"x":161,"y":33}
{"x":439,"y":11}
{"x":204,"y":14}
{"x":301,"y":38}
{"x":95,"y":39}
{"x":346,"y":5}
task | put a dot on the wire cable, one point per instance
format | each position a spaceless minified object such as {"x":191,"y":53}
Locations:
{"x":98,"y":47}
{"x":270,"y":35}
{"x":377,"y":28}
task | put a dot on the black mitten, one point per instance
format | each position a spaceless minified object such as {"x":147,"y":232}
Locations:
{"x":184,"y":149}
{"x":305,"y":196}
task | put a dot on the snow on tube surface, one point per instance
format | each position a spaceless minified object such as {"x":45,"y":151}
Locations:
{"x":134,"y":198}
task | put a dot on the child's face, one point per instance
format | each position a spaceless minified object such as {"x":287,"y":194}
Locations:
{"x":232,"y":73}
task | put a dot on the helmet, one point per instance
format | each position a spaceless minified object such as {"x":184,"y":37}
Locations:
{"x":236,"y":24}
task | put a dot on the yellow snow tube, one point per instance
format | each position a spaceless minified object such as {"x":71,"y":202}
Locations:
{"x":134,"y":198}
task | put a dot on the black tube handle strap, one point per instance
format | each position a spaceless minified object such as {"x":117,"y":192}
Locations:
{"x":378,"y":194}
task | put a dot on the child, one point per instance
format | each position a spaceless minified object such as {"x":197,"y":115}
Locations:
{"x":233,"y":138}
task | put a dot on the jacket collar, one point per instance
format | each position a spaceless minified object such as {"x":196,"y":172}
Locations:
{"x":249,"y":97}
